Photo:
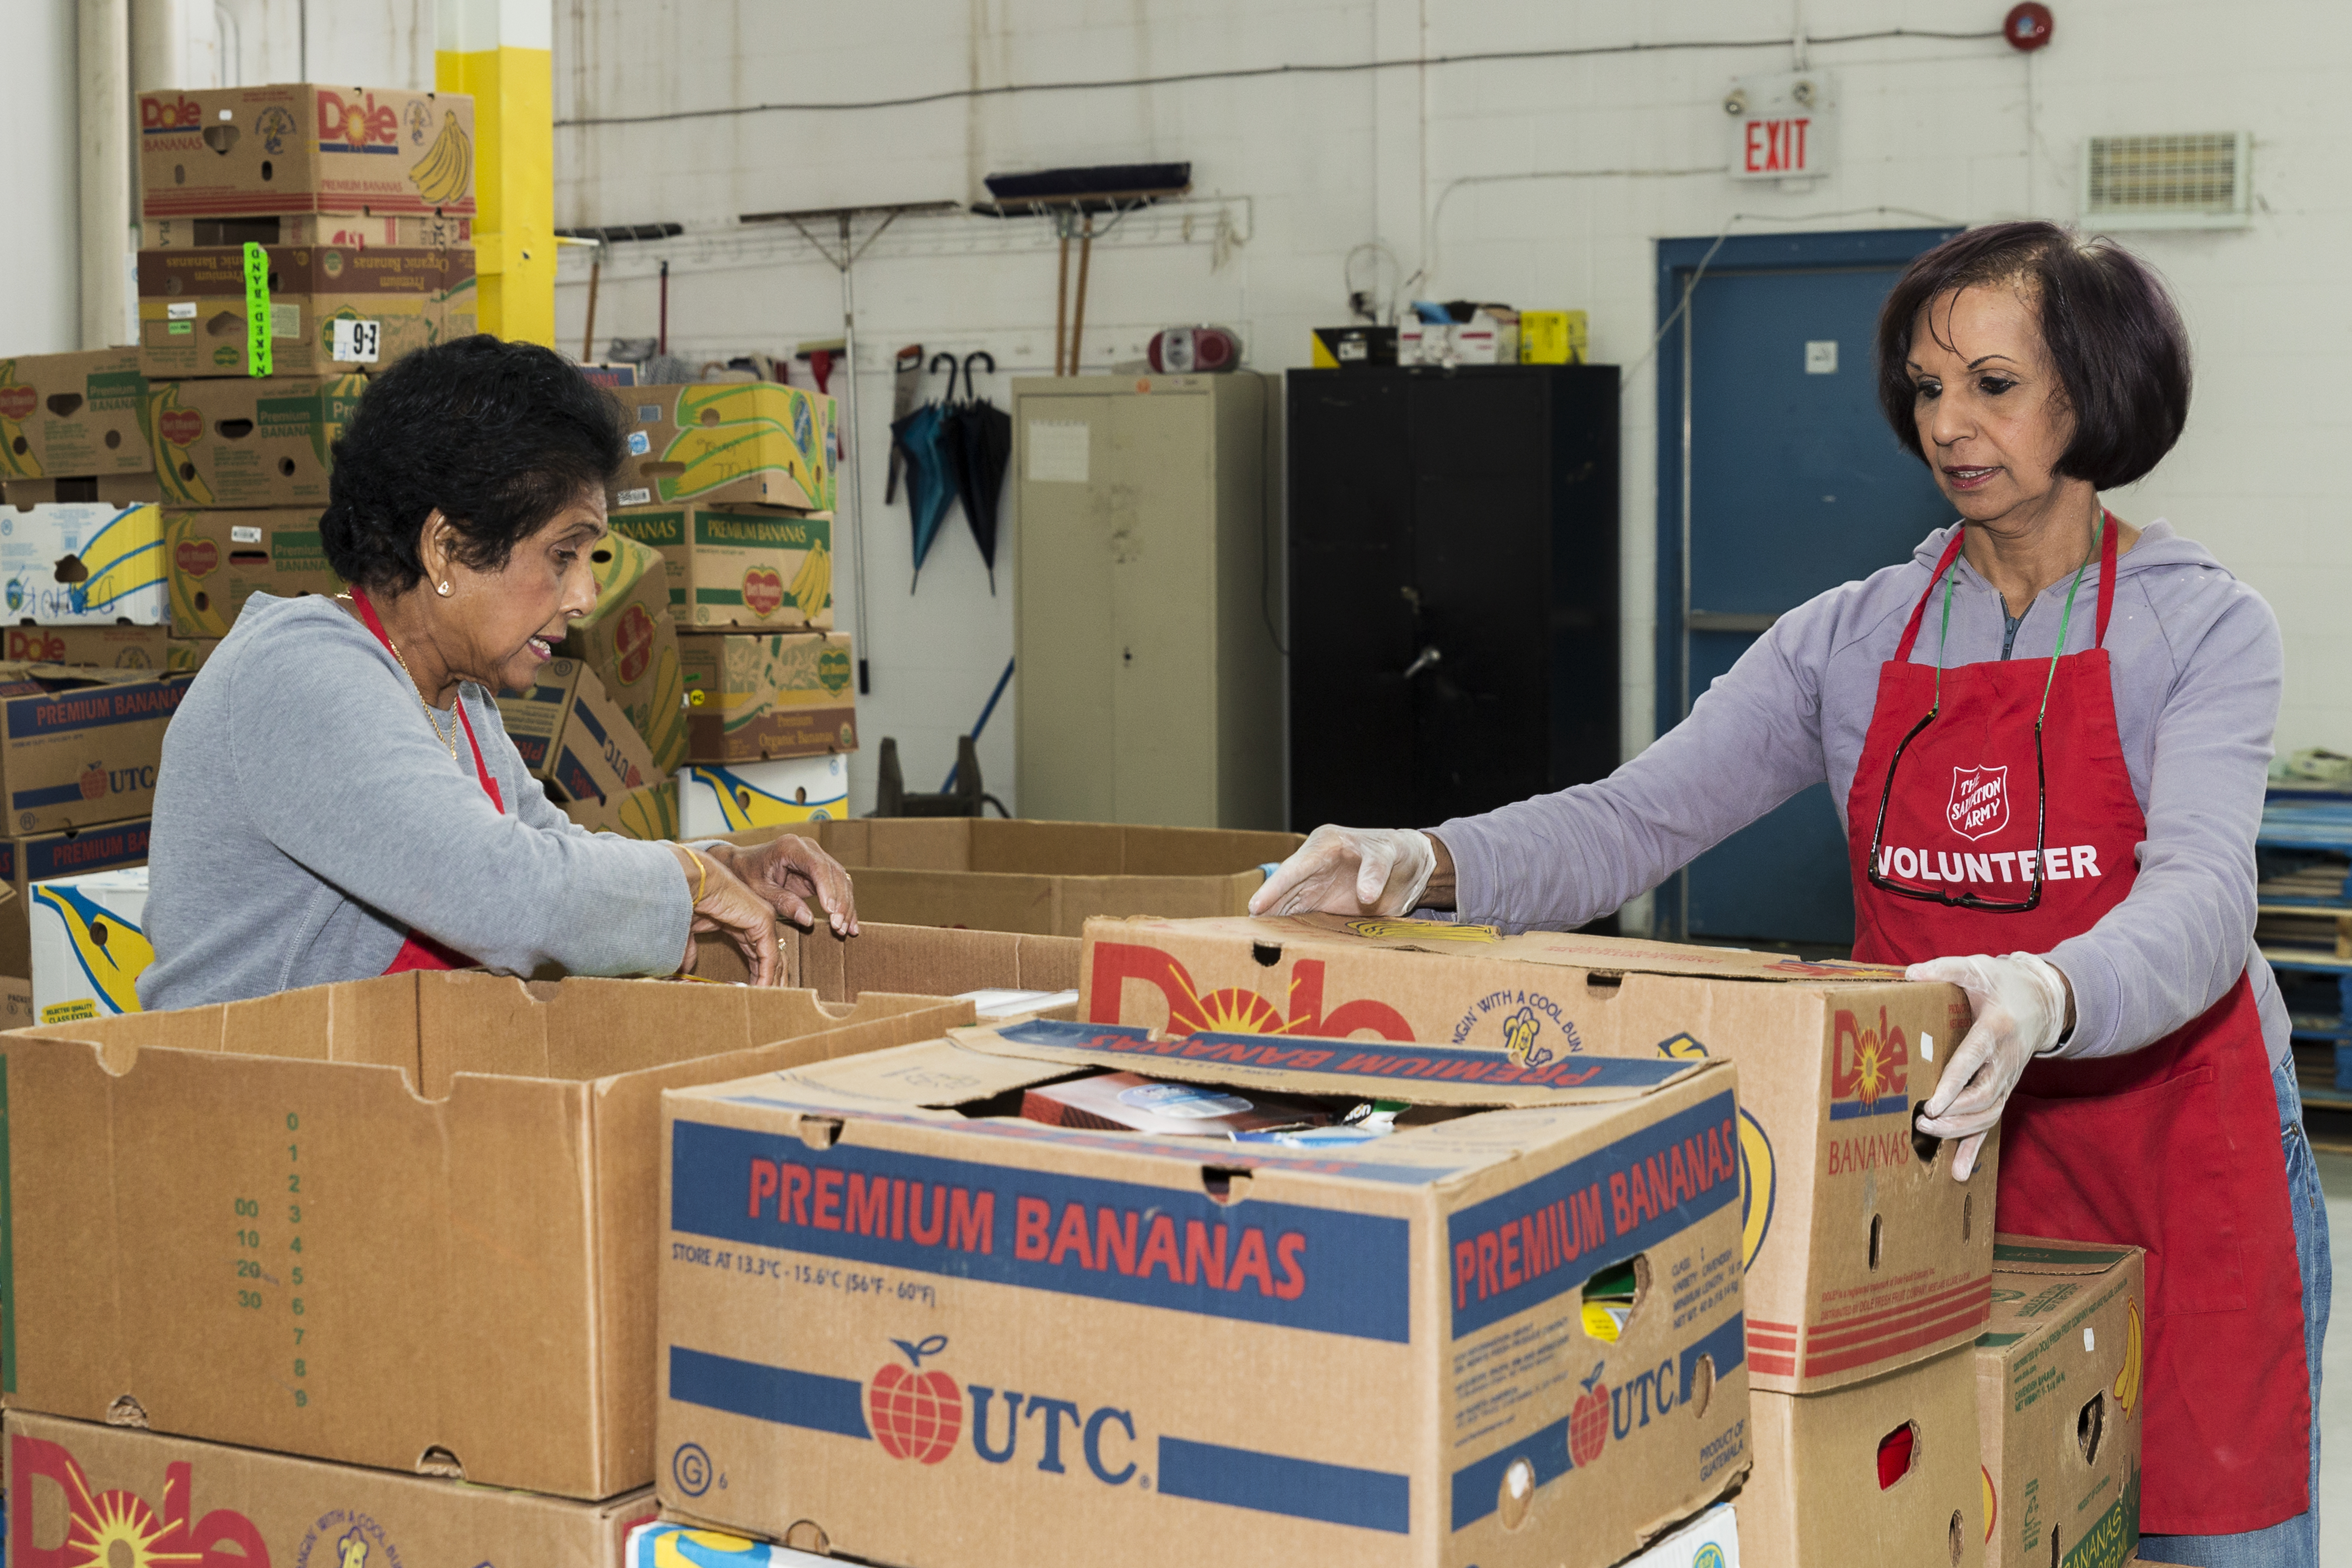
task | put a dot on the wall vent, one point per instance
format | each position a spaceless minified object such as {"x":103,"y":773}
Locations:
{"x":2193,"y":181}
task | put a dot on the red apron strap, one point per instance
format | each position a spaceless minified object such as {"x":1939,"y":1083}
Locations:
{"x":1919,"y":610}
{"x":2107,"y":531}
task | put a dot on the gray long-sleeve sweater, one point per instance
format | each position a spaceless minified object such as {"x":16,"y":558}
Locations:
{"x":2197,"y":670}
{"x":306,"y":818}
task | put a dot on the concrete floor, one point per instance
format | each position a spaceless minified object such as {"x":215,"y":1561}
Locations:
{"x":2336,"y":1394}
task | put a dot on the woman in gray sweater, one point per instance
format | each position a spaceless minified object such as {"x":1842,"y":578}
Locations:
{"x":338,"y":798}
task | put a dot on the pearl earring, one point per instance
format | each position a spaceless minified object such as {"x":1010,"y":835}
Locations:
{"x":443,"y":590}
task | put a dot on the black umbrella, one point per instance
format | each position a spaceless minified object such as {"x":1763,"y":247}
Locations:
{"x":979,"y":440}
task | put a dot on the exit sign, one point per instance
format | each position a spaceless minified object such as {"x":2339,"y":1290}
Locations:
{"x":1781,"y":126}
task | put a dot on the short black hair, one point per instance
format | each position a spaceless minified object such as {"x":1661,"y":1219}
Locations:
{"x":2111,"y":328}
{"x":500,"y":437}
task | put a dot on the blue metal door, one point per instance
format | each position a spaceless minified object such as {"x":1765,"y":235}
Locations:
{"x":1778,"y":479}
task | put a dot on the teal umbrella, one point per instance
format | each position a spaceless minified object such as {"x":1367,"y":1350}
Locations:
{"x":922,"y":439}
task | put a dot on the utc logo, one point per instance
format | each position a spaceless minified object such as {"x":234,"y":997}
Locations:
{"x":915,"y":1414}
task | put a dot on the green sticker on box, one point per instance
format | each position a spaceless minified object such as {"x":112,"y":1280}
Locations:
{"x":258,"y":360}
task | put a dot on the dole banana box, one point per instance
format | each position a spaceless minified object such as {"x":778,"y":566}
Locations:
{"x":739,"y":566}
{"x":628,"y":640}
{"x":574,"y":737}
{"x":352,"y":231}
{"x":298,"y":147}
{"x":218,"y":559}
{"x":408,"y":1222}
{"x":1883,"y":1471}
{"x":2059,"y":1379}
{"x":78,"y":745}
{"x":115,"y":489}
{"x":328,"y":309}
{"x":78,"y":1491}
{"x":83,"y":564}
{"x":714,"y":801}
{"x":72,"y":415}
{"x":90,"y":944}
{"x":756,"y":442}
{"x":648,"y":812}
{"x":108,"y":648}
{"x":27,"y":858}
{"x":244,"y":442}
{"x":1863,"y":1253}
{"x":751,"y":697}
{"x":890,"y":1308}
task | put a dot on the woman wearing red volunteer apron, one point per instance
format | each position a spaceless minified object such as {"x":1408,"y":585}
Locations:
{"x":338,"y":796}
{"x":2048,"y":734}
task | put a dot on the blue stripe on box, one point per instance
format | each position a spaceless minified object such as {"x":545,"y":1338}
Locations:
{"x":1478,"y":1488}
{"x":1276,"y":1483}
{"x":55,"y":795}
{"x":89,"y":707}
{"x":774,"y":1394}
{"x":1727,"y":1345}
{"x":1885,"y":1105}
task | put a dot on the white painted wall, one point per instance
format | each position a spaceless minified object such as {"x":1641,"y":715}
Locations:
{"x":40,"y":265}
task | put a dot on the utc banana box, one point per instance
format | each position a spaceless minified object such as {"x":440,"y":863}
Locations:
{"x":749,"y":697}
{"x":108,"y":648}
{"x":218,"y":560}
{"x":728,"y":442}
{"x":1883,"y":1471}
{"x":303,"y":148}
{"x":741,"y":566}
{"x":72,"y":564}
{"x":90,"y":944}
{"x":350,"y":231}
{"x":80,"y":746}
{"x":72,"y":415}
{"x":890,"y":1310}
{"x":76,"y":1488}
{"x":650,"y":812}
{"x":44,"y":856}
{"x":628,"y":640}
{"x":573,"y":736}
{"x":2058,"y":1403}
{"x":714,"y":800}
{"x":234,"y":441}
{"x":1863,"y":1253}
{"x":329,"y":309}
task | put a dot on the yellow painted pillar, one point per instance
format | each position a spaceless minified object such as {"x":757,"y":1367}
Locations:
{"x":501,"y":51}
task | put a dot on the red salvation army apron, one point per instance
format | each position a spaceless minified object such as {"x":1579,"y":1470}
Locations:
{"x":420,"y":952}
{"x":2174,"y":1148}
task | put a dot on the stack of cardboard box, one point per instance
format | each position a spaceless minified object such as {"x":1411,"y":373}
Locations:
{"x":297,"y":237}
{"x":733,"y":483}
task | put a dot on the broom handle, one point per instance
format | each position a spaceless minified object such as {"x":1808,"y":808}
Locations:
{"x":1061,"y":301}
{"x":588,"y":338}
{"x":1079,"y":318}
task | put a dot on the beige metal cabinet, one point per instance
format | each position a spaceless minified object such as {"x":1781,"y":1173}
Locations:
{"x":1150,"y":682}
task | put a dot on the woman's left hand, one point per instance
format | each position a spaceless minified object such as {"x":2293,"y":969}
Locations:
{"x":2021,"y":1006}
{"x":792,"y":873}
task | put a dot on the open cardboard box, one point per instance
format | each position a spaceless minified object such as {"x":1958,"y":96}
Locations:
{"x":78,"y":1490}
{"x":1862,"y":1253}
{"x":1249,"y":1352}
{"x":406,"y":1222}
{"x":1043,"y":878}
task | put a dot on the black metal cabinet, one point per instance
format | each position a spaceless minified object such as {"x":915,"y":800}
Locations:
{"x":1453,"y":588}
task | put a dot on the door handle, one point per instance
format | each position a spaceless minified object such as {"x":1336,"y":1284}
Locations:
{"x":1423,"y":661}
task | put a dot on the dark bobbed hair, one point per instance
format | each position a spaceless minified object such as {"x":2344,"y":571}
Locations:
{"x":500,"y":437}
{"x":2109,"y":325}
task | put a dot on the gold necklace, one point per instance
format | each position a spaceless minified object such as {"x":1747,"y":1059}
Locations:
{"x":449,"y":740}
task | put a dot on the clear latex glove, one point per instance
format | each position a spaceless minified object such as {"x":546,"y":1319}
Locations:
{"x":2020,"y":1008}
{"x":1350,"y":872}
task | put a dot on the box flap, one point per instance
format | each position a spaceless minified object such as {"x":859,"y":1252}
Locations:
{"x":2043,"y":1254}
{"x":1428,"y":1075}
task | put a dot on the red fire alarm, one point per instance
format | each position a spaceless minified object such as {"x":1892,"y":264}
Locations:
{"x":2027,"y":26}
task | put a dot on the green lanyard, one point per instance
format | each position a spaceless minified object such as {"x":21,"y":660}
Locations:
{"x":2065,"y":619}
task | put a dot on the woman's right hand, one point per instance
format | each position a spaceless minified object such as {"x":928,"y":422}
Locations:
{"x":1357,"y":872}
{"x":726,"y":905}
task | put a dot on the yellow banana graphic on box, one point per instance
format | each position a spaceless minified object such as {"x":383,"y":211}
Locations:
{"x":664,"y":729}
{"x":447,"y":164}
{"x":813,"y":584}
{"x":111,"y":951}
{"x":650,"y":813}
{"x":2128,"y":1380}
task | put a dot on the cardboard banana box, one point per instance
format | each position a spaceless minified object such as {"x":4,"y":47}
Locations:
{"x":234,"y":441}
{"x":72,"y":415}
{"x":749,"y":697}
{"x":329,"y":309}
{"x":739,"y":566}
{"x":628,"y":640}
{"x":303,"y":147}
{"x":729,"y":442}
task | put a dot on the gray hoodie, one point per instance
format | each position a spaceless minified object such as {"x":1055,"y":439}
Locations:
{"x":2196,"y":669}
{"x":306,"y":818}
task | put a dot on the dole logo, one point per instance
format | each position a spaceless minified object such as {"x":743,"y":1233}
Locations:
{"x":347,"y":127}
{"x":120,"y":1526}
{"x":915,"y":1414}
{"x":179,"y":114}
{"x":1867,"y":1075}
{"x":1235,"y":1009}
{"x":181,"y":426}
{"x":1980,"y":802}
{"x":17,"y":403}
{"x":763,"y":590}
{"x":196,"y":557}
{"x":36,"y":647}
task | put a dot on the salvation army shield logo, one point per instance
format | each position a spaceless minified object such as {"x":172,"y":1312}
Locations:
{"x":1979,"y":802}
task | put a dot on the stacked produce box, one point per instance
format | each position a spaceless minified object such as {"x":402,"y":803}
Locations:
{"x":733,"y":485}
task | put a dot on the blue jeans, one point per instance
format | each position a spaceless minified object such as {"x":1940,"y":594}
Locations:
{"x":2294,"y":1543}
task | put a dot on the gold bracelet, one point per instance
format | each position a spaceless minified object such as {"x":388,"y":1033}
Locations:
{"x":702,"y":869}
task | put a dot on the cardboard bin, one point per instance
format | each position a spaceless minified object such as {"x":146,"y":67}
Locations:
{"x":193,"y":308}
{"x":108,"y":648}
{"x":90,"y":944}
{"x":628,"y":640}
{"x":84,"y":565}
{"x":27,"y":858}
{"x":237,"y":442}
{"x":2058,"y":1402}
{"x":751,"y":697}
{"x":739,"y":566}
{"x":574,"y":737}
{"x":714,"y":800}
{"x":297,"y":147}
{"x":1247,"y":1352}
{"x":72,"y":415}
{"x":406,"y":1222}
{"x":910,"y":961}
{"x":756,"y":442}
{"x":1863,"y":1253}
{"x":76,"y":1488}
{"x":352,"y":231}
{"x":218,"y":560}
{"x":1883,"y":1471}
{"x":78,"y":745}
